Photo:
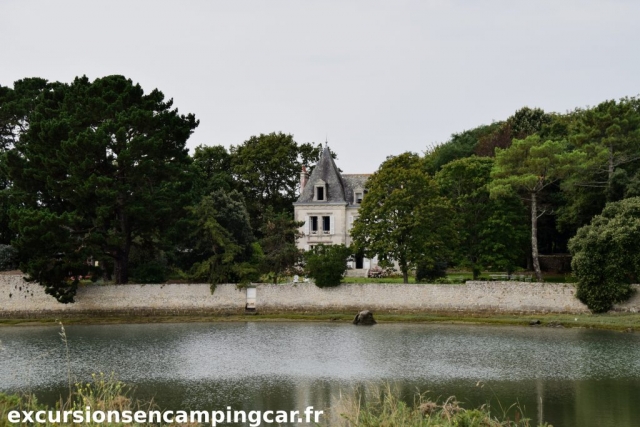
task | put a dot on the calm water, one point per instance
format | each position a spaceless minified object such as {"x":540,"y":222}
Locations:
{"x":568,"y":377}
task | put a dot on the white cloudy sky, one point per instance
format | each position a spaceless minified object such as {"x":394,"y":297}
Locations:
{"x":376,"y":77}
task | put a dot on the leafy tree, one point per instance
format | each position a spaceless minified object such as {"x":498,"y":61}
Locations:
{"x":609,"y":137}
{"x":100,"y":165}
{"x":51,"y":252}
{"x":527,"y":168}
{"x":16,"y":106}
{"x":221,"y":244}
{"x":8,"y":257}
{"x":278,"y":243}
{"x":426,"y":273}
{"x":267,"y":171}
{"x":403,"y":218}
{"x":460,"y":145}
{"x":528,"y":121}
{"x":500,"y":138}
{"x":326,"y":265}
{"x":524,"y":122}
{"x":606,"y":255}
{"x":492,"y":232}
{"x":212,"y":169}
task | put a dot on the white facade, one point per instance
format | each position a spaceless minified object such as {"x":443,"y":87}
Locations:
{"x":328,"y":205}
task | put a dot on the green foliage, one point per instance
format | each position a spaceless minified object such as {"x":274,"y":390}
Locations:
{"x":606,"y":255}
{"x":8,"y":258}
{"x":212,"y":167}
{"x":385,"y":408}
{"x":528,"y":121}
{"x":57,"y":256}
{"x":608,"y":135}
{"x":326,"y":265}
{"x":527,"y":168}
{"x":278,"y":243}
{"x":492,"y":232}
{"x":101,"y":392}
{"x":267,"y":172}
{"x":101,"y":165}
{"x":530,"y":165}
{"x":460,"y":145}
{"x":16,"y":106}
{"x":154,"y":271}
{"x":221,"y":242}
{"x":403,"y":218}
{"x":426,"y":273}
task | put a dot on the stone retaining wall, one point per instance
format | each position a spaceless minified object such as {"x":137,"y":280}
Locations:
{"x":19,"y":299}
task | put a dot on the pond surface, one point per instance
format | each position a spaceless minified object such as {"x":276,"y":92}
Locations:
{"x":567,"y":377}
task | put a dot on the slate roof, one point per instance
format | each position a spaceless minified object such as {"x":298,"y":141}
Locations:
{"x":353,"y":182}
{"x":339,"y":187}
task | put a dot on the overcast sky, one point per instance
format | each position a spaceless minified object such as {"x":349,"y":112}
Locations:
{"x":374,"y":77}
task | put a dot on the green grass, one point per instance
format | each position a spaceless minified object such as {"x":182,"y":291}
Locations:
{"x":459,"y":277}
{"x":376,"y":407}
{"x":383,"y":408}
{"x":376,"y":280}
{"x":102,"y":393}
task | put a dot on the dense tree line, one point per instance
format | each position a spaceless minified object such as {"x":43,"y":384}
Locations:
{"x":97,"y":182}
{"x":514,"y":189}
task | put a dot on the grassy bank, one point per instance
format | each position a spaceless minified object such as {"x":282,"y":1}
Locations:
{"x":383,"y":408}
{"x":614,"y":321}
{"x":378,"y":407}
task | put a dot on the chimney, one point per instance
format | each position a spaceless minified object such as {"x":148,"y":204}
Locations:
{"x":304,"y":177}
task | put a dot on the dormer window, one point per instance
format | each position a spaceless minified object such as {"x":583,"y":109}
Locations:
{"x":320,"y":192}
{"x":358,"y":194}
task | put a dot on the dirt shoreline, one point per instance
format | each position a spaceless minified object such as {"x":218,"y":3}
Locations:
{"x":626,"y":322}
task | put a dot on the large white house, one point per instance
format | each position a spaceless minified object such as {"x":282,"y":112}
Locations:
{"x":328,"y":205}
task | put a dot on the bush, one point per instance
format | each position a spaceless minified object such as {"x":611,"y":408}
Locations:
{"x":153,"y":271}
{"x":8,"y":258}
{"x":606,"y":255}
{"x":326,"y":264}
{"x":430,"y":272}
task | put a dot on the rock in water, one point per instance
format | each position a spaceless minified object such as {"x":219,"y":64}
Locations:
{"x":364,"y":318}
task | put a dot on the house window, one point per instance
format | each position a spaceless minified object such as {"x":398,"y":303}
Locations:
{"x":358,"y":197}
{"x":313,"y":225}
{"x":320,"y":191}
{"x":320,"y":224}
{"x":326,"y":225}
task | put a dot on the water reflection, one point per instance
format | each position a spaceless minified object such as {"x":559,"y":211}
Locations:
{"x":566,"y":377}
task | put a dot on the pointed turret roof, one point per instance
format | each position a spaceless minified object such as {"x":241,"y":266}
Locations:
{"x":327,"y":171}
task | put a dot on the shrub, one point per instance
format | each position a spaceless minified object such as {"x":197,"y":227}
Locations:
{"x":375,"y":407}
{"x":153,"y":271}
{"x":430,"y":272}
{"x":326,"y":264}
{"x":606,"y":255}
{"x":8,"y":258}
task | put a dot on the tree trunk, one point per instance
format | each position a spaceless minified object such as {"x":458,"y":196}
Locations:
{"x":534,"y":237}
{"x":405,"y":271}
{"x":122,"y":267}
{"x":122,"y":254}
